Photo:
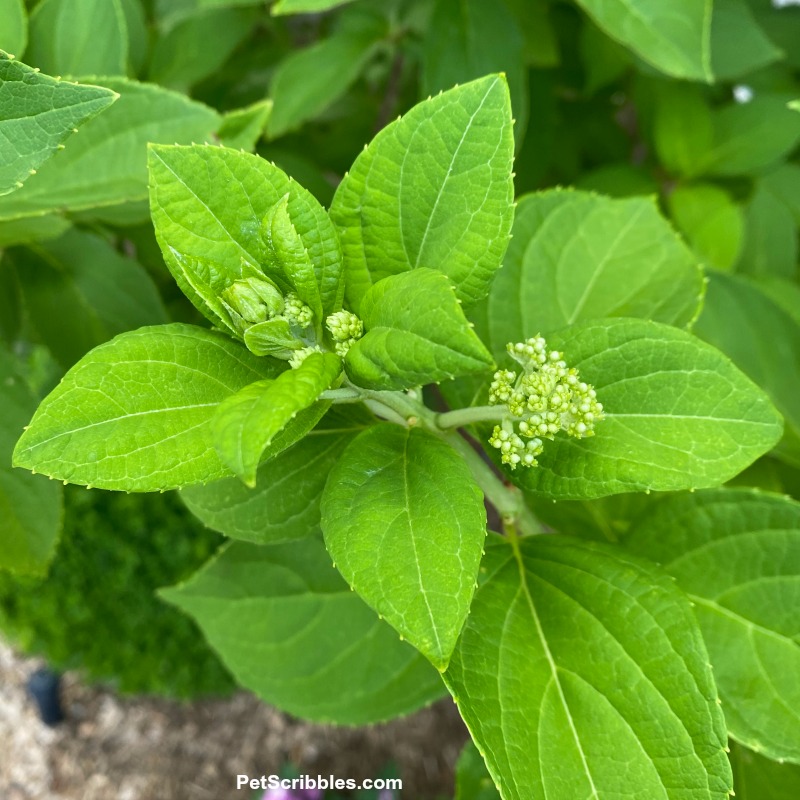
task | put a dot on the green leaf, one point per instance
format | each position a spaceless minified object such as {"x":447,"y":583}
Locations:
{"x":245,"y":424}
{"x":290,"y":630}
{"x":604,"y":59}
{"x":405,"y":524}
{"x":198,"y":45}
{"x":293,"y":256}
{"x":758,"y":778}
{"x":243,"y":127}
{"x":736,"y":553}
{"x":38,"y":114}
{"x":134,"y":413}
{"x":763,"y":341}
{"x":683,"y":127}
{"x":32,"y":229}
{"x":305,"y":6}
{"x":738,"y":44}
{"x":284,"y":505}
{"x":14,"y":38}
{"x":138,"y":35}
{"x":577,"y":256}
{"x":770,"y":236}
{"x":30,"y":506}
{"x":106,"y":162}
{"x":674,"y":38}
{"x":582,"y":674}
{"x":224,"y":196}
{"x":748,"y":137}
{"x":467,"y":39}
{"x":534,"y":18}
{"x":678,"y":415}
{"x":307,"y":81}
{"x":433,"y":189}
{"x":79,"y":37}
{"x":473,"y":782}
{"x":711,"y":221}
{"x":94,"y":291}
{"x":416,"y":334}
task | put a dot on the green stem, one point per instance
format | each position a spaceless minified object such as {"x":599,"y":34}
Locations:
{"x":508,"y":500}
{"x":467,"y":416}
{"x":342,"y":395}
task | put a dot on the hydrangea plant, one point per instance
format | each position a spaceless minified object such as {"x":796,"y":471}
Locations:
{"x":370,"y":384}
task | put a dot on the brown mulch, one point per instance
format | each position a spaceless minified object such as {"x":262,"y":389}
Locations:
{"x":124,"y":748}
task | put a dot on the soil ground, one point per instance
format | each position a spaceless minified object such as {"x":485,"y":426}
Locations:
{"x":135,"y":748}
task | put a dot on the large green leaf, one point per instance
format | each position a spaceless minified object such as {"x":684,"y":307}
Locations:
{"x":224,"y":196}
{"x":97,"y":293}
{"x":14,"y":36}
{"x":675,"y":37}
{"x":748,"y":137}
{"x":134,"y":413}
{"x":738,"y":44}
{"x":758,"y":778}
{"x":244,"y":425}
{"x":37,"y":114}
{"x":468,"y":39}
{"x":577,"y":256}
{"x":433,"y":189}
{"x":679,"y":415}
{"x":416,"y":334}
{"x":79,"y":37}
{"x":199,"y":45}
{"x":711,"y":221}
{"x":284,"y":505}
{"x":736,"y":553}
{"x":763,"y":340}
{"x":30,"y":506}
{"x":290,"y":630}
{"x":770,"y":237}
{"x":682,"y":126}
{"x":106,"y":162}
{"x":307,"y":81}
{"x":581,"y":673}
{"x":405,"y":525}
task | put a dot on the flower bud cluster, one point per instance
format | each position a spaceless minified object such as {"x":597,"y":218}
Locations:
{"x":545,"y":398}
{"x":297,"y":312}
{"x":345,"y":329}
{"x":253,"y":300}
{"x":299,"y":356}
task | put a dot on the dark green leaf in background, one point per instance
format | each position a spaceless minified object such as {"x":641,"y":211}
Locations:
{"x":79,"y":37}
{"x":763,"y":340}
{"x":675,"y":38}
{"x":577,"y":256}
{"x":14,"y":35}
{"x":468,"y":39}
{"x":758,"y":778}
{"x":309,"y":80}
{"x":30,"y":505}
{"x":79,"y":292}
{"x":711,"y":221}
{"x":289,"y":629}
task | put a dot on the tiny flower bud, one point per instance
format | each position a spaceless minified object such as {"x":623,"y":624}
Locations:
{"x":254,"y":299}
